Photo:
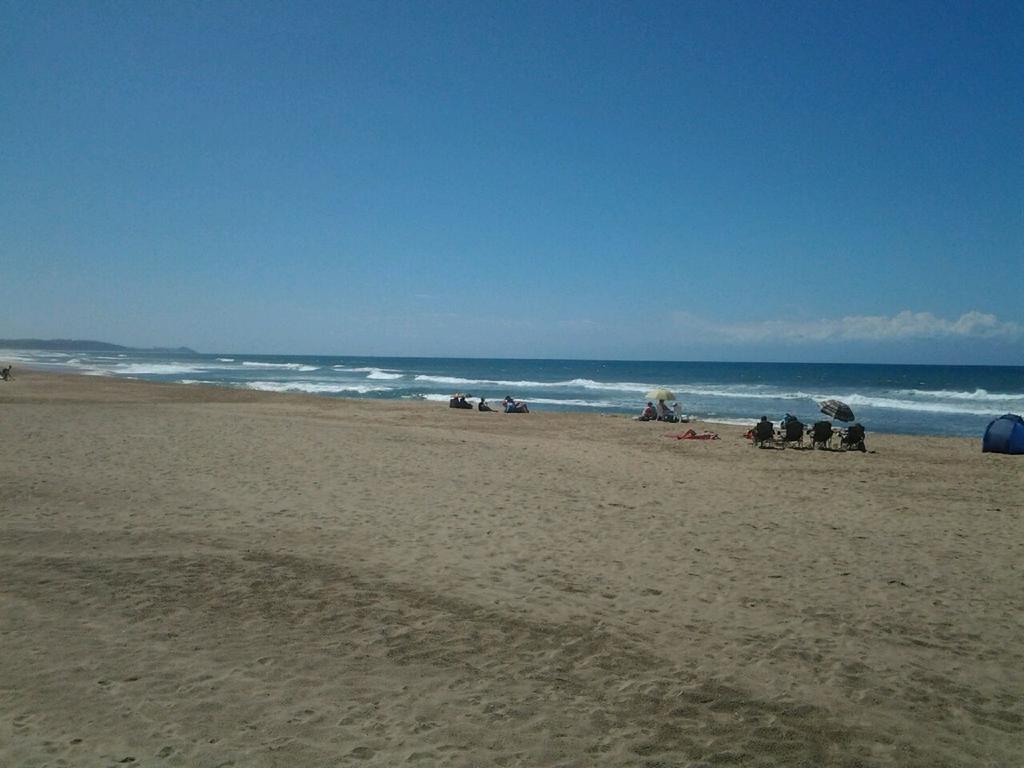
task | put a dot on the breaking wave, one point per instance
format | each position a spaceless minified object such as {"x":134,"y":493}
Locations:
{"x":978,"y":395}
{"x":623,"y":386}
{"x":571,"y":403}
{"x":163,"y":369}
{"x":311,"y":387}
{"x":281,"y":366}
{"x":898,"y":404}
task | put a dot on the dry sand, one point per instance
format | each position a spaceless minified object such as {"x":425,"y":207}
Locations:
{"x":192,"y":576}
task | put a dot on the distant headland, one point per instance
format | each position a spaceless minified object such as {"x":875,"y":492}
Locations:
{"x":82,"y":345}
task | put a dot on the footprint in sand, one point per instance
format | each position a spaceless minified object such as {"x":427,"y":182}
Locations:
{"x":424,"y":725}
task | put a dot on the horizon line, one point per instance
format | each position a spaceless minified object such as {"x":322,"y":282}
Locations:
{"x":157,"y":349}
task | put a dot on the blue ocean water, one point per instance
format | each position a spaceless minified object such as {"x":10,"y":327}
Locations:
{"x":908,"y":399}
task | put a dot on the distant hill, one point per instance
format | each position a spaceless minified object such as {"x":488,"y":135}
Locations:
{"x":85,"y":345}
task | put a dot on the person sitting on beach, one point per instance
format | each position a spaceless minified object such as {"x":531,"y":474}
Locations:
{"x":514,"y":406}
{"x":764,"y":432}
{"x":853,"y":438}
{"x":483,"y":406}
{"x":648,"y":413}
{"x":663,"y":412}
{"x":458,"y":400}
{"x":5,"y":373}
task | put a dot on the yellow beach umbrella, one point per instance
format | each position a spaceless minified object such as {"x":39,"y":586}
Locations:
{"x":660,"y":393}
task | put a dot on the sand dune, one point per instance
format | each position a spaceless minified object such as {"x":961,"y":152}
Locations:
{"x":195,"y":576}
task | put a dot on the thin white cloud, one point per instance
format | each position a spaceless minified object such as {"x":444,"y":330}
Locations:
{"x":905,"y":325}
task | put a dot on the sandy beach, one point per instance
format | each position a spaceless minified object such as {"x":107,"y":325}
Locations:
{"x":195,"y":576}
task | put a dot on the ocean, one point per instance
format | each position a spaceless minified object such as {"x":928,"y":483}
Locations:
{"x":907,"y":399}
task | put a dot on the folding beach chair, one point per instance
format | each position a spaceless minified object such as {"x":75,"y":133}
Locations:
{"x":821,"y":434}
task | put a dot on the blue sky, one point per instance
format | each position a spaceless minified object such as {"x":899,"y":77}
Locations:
{"x":727,"y":181}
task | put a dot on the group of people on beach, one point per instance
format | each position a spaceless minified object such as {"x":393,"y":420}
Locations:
{"x":661,"y":412}
{"x":791,"y":431}
{"x":508,"y":405}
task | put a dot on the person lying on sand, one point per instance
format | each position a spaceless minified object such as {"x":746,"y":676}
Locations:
{"x":692,"y":434}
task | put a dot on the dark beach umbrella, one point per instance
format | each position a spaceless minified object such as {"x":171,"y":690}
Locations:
{"x":837,"y":410}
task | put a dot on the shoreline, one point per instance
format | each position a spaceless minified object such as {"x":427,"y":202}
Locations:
{"x":196,"y":574}
{"x":384,"y":404}
{"x":902,"y":399}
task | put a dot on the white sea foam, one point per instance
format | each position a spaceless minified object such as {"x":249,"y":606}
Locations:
{"x":631,"y":387}
{"x":608,"y":386}
{"x":141,"y":369}
{"x":29,"y":359}
{"x":433,"y":397}
{"x":372,"y":369}
{"x":282,"y":366}
{"x":573,"y":403}
{"x":226,"y":359}
{"x":978,"y":395}
{"x":977,"y":403}
{"x":376,"y":373}
{"x":752,"y":393}
{"x":311,"y":387}
{"x":448,"y":380}
{"x":892,"y":403}
{"x":623,"y":386}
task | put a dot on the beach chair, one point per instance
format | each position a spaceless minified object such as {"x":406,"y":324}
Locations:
{"x":792,"y":434}
{"x":853,"y":440}
{"x":821,"y":434}
{"x":764,"y":434}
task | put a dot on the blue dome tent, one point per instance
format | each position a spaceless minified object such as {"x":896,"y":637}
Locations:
{"x":1004,"y":435}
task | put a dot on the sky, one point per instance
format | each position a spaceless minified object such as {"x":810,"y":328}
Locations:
{"x":813,"y":181}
